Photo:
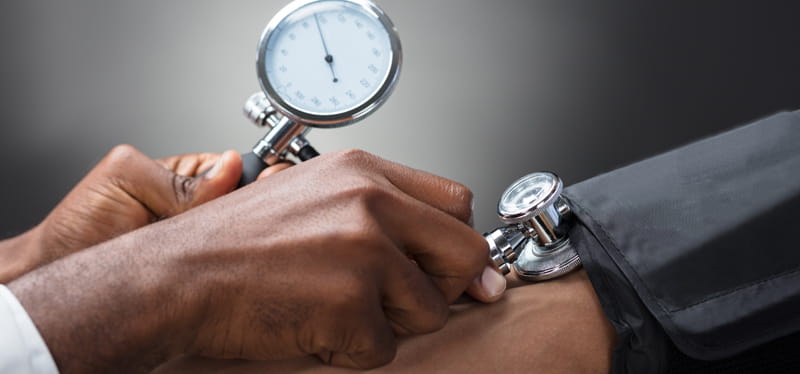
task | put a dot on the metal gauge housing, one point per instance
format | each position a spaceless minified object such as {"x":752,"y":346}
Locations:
{"x":529,"y":196}
{"x":535,"y":239}
{"x":328,"y":63}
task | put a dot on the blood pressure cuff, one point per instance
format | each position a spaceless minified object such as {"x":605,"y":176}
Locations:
{"x":697,"y":246}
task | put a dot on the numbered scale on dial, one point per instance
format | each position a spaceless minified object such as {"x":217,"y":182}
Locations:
{"x":328,"y":62}
{"x":320,"y":63}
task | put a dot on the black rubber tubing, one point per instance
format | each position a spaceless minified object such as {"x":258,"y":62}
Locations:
{"x":252,"y":165}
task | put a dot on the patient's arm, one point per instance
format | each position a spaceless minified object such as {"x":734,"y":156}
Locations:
{"x":550,"y":327}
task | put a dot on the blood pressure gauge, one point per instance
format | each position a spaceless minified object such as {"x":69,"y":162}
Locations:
{"x":320,"y":63}
{"x":534,"y":240}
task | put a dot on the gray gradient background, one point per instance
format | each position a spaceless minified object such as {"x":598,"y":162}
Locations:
{"x":490,"y":90}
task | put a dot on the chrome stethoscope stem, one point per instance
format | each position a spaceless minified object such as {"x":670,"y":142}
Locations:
{"x":534,"y":241}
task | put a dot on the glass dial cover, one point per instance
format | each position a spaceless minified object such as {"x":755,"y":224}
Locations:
{"x":529,"y":195}
{"x":327,"y":63}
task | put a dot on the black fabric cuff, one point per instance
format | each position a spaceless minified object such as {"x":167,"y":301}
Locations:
{"x":696,"y":245}
{"x":642,"y":346}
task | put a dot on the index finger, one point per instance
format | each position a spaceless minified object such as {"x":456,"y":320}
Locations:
{"x":441,"y":193}
{"x":446,"y":249}
{"x":189,"y":165}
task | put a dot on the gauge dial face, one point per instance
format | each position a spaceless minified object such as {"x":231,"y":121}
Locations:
{"x":527,"y":194}
{"x":329,"y":59}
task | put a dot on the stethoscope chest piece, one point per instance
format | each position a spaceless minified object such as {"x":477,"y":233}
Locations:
{"x":534,"y":240}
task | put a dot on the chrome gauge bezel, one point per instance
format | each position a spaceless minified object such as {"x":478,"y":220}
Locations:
{"x":338,"y":119}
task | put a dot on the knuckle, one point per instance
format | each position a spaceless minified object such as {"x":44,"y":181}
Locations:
{"x":353,"y":158}
{"x":461,"y":192}
{"x":428,"y":306}
{"x":364,"y":190}
{"x":121,"y":154}
{"x":364,"y":241}
{"x":429,"y":321}
{"x":356,"y":220}
{"x":330,"y":340}
{"x":475,"y":260}
{"x":371,"y":346}
{"x":352,"y":294}
{"x":439,"y":313}
{"x":433,"y":313}
{"x":479,"y":256}
{"x":183,"y":189}
{"x":362,"y":236}
{"x":381,"y":352}
{"x":353,"y":155}
{"x":462,"y":197}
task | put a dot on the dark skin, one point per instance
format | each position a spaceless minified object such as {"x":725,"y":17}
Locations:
{"x":553,"y":327}
{"x":125,"y":191}
{"x":334,"y":282}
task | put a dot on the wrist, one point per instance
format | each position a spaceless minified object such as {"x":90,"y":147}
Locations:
{"x":20,"y":254}
{"x":109,"y":308}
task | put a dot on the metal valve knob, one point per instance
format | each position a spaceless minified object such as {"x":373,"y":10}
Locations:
{"x":534,"y":241}
{"x":260,"y":111}
{"x":273,"y":147}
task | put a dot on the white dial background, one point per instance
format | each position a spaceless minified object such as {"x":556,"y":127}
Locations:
{"x":357,"y":43}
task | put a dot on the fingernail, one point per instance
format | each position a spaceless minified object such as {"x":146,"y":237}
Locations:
{"x":214,"y":169}
{"x":492,"y":282}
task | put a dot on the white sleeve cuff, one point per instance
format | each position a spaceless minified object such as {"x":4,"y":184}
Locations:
{"x":22,"y":349}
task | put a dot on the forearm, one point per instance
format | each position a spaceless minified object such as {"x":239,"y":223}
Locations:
{"x":550,"y":327}
{"x":104,"y":309}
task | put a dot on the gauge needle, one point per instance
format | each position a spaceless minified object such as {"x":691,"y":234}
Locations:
{"x":328,"y":56}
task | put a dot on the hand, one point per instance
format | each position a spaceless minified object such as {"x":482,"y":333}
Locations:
{"x":314,"y":260}
{"x":125,"y":191}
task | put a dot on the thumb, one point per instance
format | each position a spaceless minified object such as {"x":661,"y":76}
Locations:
{"x":221,"y":179}
{"x":160,"y":190}
{"x":489,"y":286}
